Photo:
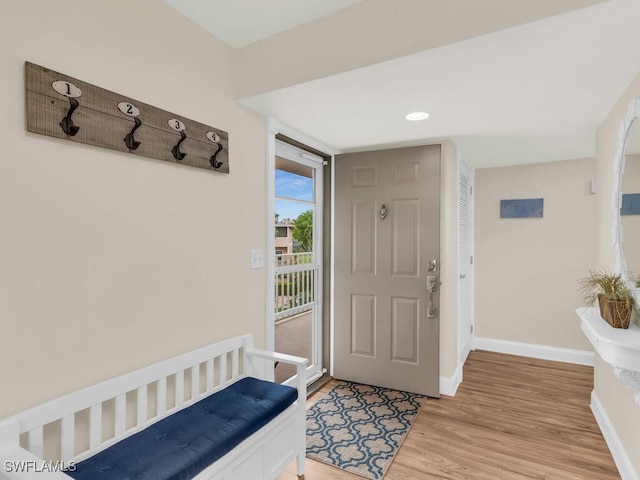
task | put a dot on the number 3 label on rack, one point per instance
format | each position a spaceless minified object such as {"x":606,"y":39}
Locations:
{"x":129,"y":109}
{"x":177,"y":125}
{"x":66,"y":88}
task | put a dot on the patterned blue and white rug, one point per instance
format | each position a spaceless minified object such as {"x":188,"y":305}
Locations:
{"x":359,"y":428}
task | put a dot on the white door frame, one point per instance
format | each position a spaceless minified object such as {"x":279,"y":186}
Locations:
{"x":273,"y":128}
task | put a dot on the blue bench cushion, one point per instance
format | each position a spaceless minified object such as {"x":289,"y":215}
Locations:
{"x":182,"y":445}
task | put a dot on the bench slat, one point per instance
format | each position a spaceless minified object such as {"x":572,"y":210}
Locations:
{"x":223,"y":369}
{"x":35,"y":441}
{"x":179,"y":388}
{"x":95,"y":426}
{"x":235,"y":363}
{"x":195,"y":381}
{"x":121,"y":414}
{"x":162,"y":396}
{"x":67,"y":438}
{"x":142,"y":405}
{"x":209,"y":374}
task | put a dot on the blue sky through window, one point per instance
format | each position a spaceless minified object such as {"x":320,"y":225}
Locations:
{"x":295,"y":187}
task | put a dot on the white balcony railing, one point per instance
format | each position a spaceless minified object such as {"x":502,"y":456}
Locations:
{"x":290,"y":259}
{"x":295,"y":278}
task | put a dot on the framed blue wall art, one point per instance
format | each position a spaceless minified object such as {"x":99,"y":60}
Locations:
{"x":522,"y":208}
{"x":630,"y":204}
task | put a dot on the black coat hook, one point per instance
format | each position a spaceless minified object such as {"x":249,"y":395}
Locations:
{"x":212,"y":160}
{"x":67,"y":122}
{"x":177,"y":154}
{"x":129,"y":140}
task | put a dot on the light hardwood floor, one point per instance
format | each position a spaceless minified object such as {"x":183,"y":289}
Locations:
{"x":512,"y":418}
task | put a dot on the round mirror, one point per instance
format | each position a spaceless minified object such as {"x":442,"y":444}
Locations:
{"x":630,"y":202}
{"x":627,"y":193}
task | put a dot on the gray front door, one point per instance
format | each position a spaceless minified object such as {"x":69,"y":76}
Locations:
{"x":387,"y":232}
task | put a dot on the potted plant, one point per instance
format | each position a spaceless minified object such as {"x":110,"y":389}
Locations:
{"x":612,"y":294}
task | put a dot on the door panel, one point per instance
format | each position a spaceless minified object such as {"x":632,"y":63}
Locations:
{"x":405,"y":329}
{"x":363,"y":243}
{"x":406,"y":237}
{"x":365,"y":176}
{"x":382,"y":333}
{"x":363,"y":325}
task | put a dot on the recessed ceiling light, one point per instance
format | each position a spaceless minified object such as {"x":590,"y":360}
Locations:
{"x":417,"y":116}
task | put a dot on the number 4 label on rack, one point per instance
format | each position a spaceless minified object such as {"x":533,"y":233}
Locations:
{"x":213,"y":136}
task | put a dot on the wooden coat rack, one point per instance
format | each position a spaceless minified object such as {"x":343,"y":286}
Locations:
{"x":64,"y":107}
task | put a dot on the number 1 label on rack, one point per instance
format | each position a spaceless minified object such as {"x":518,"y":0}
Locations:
{"x":67,"y":89}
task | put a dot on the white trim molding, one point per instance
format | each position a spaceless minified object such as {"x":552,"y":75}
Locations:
{"x":275,"y":126}
{"x":544,"y":352}
{"x":449,"y":385}
{"x":620,"y":456}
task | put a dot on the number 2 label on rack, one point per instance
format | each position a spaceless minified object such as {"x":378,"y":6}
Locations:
{"x":129,"y":109}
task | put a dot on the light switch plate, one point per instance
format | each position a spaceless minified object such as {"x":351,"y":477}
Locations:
{"x":257,"y":258}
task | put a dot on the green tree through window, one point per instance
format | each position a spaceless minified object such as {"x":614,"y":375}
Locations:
{"x":303,"y":232}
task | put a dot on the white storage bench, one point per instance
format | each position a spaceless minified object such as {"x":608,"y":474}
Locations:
{"x":210,"y":414}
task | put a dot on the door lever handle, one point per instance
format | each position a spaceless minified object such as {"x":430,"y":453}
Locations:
{"x":431,"y":310}
{"x":432,"y":286}
{"x":463,"y":276}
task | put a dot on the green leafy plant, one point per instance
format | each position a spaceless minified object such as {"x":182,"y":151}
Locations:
{"x":602,"y":282}
{"x":611,"y":293}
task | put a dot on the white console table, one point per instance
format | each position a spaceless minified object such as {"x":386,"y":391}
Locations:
{"x":618,"y":347}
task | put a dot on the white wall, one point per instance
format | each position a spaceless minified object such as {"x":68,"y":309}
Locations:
{"x":110,"y":261}
{"x":449,"y":263}
{"x":527,"y":269}
{"x":616,"y":399}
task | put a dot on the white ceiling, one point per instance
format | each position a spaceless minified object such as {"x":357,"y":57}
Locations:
{"x":241,"y":22}
{"x":531,"y":93}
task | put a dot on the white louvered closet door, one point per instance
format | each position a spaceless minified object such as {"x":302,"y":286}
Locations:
{"x":465,"y":260}
{"x":464,"y":257}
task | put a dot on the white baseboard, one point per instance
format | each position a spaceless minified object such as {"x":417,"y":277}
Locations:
{"x":579,"y":357}
{"x":449,"y":385}
{"x":467,"y":349}
{"x":620,"y":457}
